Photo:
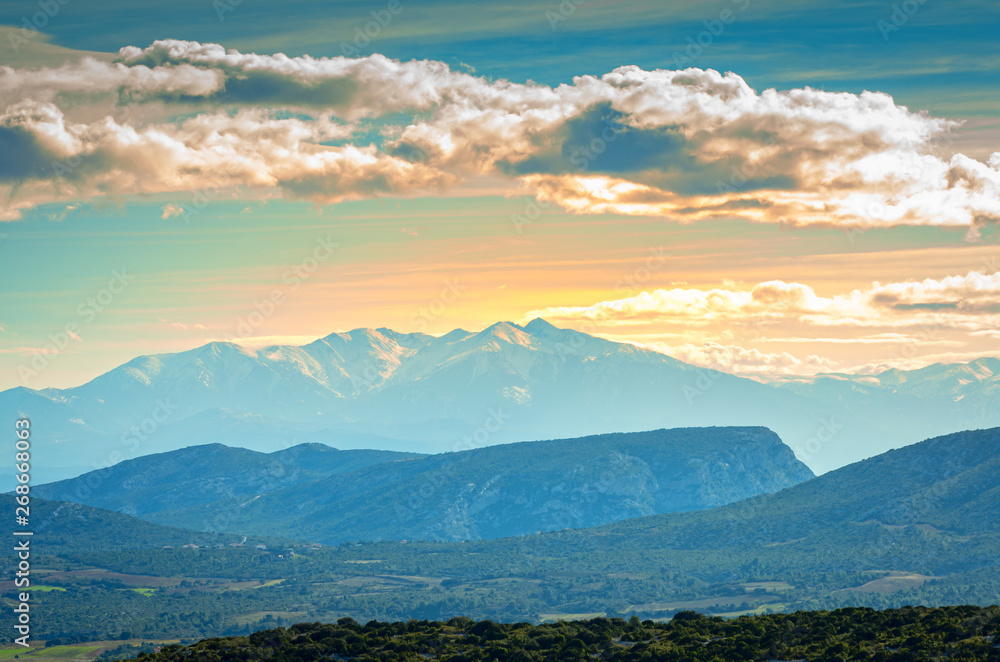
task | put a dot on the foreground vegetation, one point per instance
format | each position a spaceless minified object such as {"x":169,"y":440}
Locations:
{"x":953,"y":633}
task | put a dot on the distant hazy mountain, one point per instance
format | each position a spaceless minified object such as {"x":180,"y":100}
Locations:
{"x":382,"y":389}
{"x":937,"y":399}
{"x":506,"y":490}
{"x":952,"y":381}
{"x":207,"y":474}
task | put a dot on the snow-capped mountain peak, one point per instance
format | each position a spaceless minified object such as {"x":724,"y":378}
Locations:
{"x":414,"y":391}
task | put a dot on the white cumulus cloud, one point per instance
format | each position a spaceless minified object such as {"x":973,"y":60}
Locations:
{"x":686,"y":145}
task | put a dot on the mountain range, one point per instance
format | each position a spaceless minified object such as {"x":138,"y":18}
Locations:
{"x":917,"y":525}
{"x":203,"y":475}
{"x":921,"y":523}
{"x":376,"y":388}
{"x":944,"y":490}
{"x":930,"y":400}
{"x":316,"y":493}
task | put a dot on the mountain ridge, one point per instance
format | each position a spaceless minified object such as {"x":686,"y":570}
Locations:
{"x":489,"y":492}
{"x":419,"y":393}
{"x":205,"y":474}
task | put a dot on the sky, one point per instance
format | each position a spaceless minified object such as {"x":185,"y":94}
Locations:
{"x":766,"y":188}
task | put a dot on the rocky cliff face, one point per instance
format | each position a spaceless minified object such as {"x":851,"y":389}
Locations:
{"x":524,"y":488}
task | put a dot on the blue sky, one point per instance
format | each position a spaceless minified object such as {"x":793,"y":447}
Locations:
{"x":402,"y":241}
{"x":944,"y":58}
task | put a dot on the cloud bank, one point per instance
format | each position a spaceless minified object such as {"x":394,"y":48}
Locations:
{"x":739,"y":328}
{"x":970,"y":303}
{"x":684,"y":145}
